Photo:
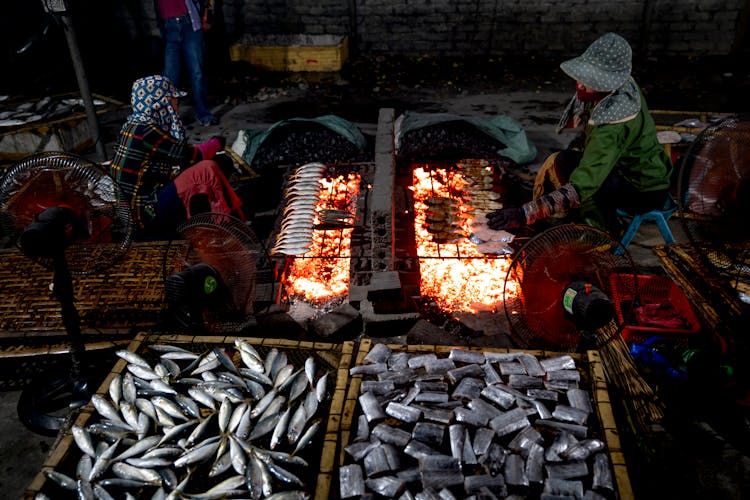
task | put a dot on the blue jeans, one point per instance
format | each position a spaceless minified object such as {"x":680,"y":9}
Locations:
{"x":182,"y":41}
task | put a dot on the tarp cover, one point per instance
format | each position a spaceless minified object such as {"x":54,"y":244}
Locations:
{"x":502,"y":128}
{"x":249,"y":141}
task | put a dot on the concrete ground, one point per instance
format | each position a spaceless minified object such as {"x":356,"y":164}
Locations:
{"x":536,"y":106}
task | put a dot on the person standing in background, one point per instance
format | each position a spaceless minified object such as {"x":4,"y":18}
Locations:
{"x":182,"y":24}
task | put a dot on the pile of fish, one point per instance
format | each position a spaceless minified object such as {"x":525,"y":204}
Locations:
{"x":473,"y":425}
{"x":300,"y":198}
{"x":199,"y":426}
{"x":444,"y":219}
{"x":45,"y":109}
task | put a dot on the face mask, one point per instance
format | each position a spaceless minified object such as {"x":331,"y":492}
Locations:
{"x":586,"y":94}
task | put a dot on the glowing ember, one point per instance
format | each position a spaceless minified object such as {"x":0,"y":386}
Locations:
{"x":323,"y":273}
{"x":454,"y":274}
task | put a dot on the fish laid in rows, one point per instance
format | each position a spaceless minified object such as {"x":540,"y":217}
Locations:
{"x":226,"y":422}
{"x":473,"y":424}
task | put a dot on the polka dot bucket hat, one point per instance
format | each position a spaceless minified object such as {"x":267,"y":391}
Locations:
{"x":604,"y":66}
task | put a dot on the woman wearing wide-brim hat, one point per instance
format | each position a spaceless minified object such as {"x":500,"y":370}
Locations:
{"x":622,"y":164}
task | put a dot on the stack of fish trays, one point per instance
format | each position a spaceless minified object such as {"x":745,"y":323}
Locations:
{"x":438,"y":422}
{"x":235,"y":442}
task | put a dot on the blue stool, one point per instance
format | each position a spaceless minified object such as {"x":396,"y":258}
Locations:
{"x":659,"y":216}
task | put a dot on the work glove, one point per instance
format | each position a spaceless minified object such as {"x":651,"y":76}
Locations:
{"x":212,"y":146}
{"x":506,"y":218}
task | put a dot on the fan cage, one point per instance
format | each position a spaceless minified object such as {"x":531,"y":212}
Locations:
{"x":714,"y":198}
{"x":545,"y":266}
{"x":52,"y":179}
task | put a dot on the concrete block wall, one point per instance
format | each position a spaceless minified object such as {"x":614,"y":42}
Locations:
{"x":492,"y":27}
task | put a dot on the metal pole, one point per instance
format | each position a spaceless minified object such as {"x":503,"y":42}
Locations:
{"x":60,"y":7}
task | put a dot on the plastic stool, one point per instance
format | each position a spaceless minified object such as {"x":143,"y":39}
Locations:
{"x":659,"y":216}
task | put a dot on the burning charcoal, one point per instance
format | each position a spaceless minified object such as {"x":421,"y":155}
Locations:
{"x":412,"y":395}
{"x":567,"y":470}
{"x":377,"y":387}
{"x":490,"y":375}
{"x":579,"y":398}
{"x":494,"y":459}
{"x":432,"y":397}
{"x":379,"y":353}
{"x":439,"y":366}
{"x":370,"y":407}
{"x":500,"y":357}
{"x":483,"y":408}
{"x":602,"y":473}
{"x":464,"y":356}
{"x":511,"y":421}
{"x":391,"y":435}
{"x":498,"y":395}
{"x":521,"y":442}
{"x":563,"y":376}
{"x":456,"y":436}
{"x":360,"y":449}
{"x":403,"y":412}
{"x":468,"y":389}
{"x":373,"y":369}
{"x":469,"y":456}
{"x":482,"y":440}
{"x":399,"y":361}
{"x":387,"y":486}
{"x":428,"y":433}
{"x":531,"y":364}
{"x":543,"y":394}
{"x":421,"y":360}
{"x":515,"y":471}
{"x":525,"y":382}
{"x":410,"y":475}
{"x":535,"y":463}
{"x":427,"y":494}
{"x":445,"y":494}
{"x":564,"y":362}
{"x":455,"y":375}
{"x":563,"y":441}
{"x":511,"y":368}
{"x":351,"y":482}
{"x":418,"y":450}
{"x":437,"y":415}
{"x":496,"y":484}
{"x":579,"y":431}
{"x":439,"y":471}
{"x":363,"y":429}
{"x":470,"y":417}
{"x":569,"y":414}
{"x":381,"y":460}
{"x":431,"y":386}
{"x":562,"y":488}
{"x":583,"y":450}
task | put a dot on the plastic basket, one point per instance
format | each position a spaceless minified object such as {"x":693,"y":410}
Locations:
{"x":652,"y":289}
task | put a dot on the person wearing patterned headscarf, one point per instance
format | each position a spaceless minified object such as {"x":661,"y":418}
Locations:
{"x":622,"y":165}
{"x":164,"y":178}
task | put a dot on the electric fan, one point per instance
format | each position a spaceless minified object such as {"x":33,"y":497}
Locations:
{"x":212,"y":287}
{"x":558,"y":286}
{"x":65,"y":213}
{"x":714,"y":201}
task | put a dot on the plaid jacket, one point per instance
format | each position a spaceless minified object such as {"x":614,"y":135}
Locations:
{"x":144,"y":156}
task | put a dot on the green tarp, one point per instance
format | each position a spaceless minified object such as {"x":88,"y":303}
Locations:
{"x":504,"y":129}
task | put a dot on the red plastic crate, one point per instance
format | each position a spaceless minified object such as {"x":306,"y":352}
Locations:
{"x":652,"y":289}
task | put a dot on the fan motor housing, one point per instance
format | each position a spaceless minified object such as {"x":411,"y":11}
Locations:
{"x":588,"y":306}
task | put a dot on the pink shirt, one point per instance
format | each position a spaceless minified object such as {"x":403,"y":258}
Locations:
{"x":172,"y":8}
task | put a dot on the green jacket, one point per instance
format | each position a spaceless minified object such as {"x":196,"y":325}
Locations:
{"x":627,"y":146}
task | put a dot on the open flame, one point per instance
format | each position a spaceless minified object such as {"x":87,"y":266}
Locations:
{"x":455,"y":275}
{"x":322,"y":273}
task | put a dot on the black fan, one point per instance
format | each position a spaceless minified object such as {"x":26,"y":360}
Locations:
{"x":714,"y":201}
{"x":65,"y":213}
{"x":213,"y":287}
{"x":558,"y":289}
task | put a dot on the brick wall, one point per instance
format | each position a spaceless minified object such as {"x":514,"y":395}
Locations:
{"x":498,"y":27}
